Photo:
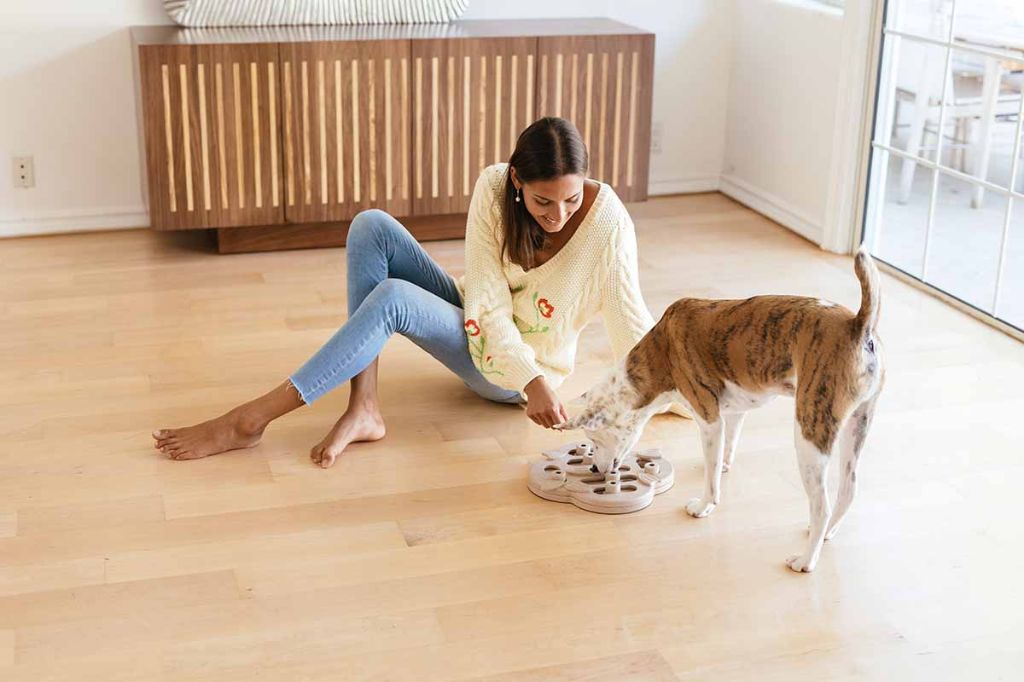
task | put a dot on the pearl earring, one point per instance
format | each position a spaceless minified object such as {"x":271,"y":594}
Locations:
{"x":519,"y":195}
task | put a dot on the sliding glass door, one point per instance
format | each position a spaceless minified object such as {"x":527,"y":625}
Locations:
{"x":945,"y":200}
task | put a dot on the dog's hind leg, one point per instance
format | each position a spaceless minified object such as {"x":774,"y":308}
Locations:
{"x":813,"y":463}
{"x":851,"y":442}
{"x":733,"y":424}
{"x":712,"y":439}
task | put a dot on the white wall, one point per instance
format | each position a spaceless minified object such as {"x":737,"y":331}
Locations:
{"x":781,"y":108}
{"x":66,"y":97}
{"x":693,"y":50}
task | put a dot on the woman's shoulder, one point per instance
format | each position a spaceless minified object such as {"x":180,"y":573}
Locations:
{"x":610,"y":220}
{"x":609,"y":205}
{"x":493,"y":176}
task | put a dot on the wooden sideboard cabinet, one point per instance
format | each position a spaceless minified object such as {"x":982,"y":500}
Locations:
{"x":278,"y":137}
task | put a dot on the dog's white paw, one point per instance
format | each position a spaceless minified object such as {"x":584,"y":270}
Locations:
{"x":698,"y":507}
{"x":799,"y":563}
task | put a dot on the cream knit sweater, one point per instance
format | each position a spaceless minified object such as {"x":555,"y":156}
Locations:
{"x":520,"y":324}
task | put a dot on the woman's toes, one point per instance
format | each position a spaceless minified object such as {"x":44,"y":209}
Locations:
{"x":327,"y":461}
{"x":172,"y":449}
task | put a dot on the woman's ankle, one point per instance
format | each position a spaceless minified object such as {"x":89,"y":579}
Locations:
{"x":254,"y":416}
{"x":248,"y":419}
{"x":364,"y":405}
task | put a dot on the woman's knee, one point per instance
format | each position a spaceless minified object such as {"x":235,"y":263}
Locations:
{"x":397,"y":299}
{"x":368,"y":228}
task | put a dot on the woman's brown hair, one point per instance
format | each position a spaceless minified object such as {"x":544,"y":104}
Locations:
{"x":549,"y":148}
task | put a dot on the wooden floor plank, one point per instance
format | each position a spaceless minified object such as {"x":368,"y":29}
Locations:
{"x":424,"y":556}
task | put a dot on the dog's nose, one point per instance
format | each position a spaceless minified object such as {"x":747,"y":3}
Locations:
{"x":594,"y":469}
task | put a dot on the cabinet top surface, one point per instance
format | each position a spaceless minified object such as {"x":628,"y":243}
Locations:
{"x":479,"y":28}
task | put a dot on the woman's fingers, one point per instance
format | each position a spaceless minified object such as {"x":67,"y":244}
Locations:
{"x":549,"y":418}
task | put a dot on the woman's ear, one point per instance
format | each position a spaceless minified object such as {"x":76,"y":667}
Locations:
{"x":515,"y":177}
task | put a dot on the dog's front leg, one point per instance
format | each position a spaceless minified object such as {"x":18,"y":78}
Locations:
{"x":733,"y":424}
{"x":712,"y":438}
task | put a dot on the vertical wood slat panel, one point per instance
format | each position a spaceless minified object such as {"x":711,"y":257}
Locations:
{"x":376,"y":149}
{"x":194,"y":180}
{"x":463,"y":119}
{"x":344,"y":128}
{"x":604,"y":87}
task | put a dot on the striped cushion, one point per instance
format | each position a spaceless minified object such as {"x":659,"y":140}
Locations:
{"x":297,"y":12}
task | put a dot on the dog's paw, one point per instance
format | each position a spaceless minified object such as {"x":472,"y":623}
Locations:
{"x":698,"y":507}
{"x":799,"y":563}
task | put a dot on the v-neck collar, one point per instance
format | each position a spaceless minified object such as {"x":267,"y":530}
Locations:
{"x":575,"y":238}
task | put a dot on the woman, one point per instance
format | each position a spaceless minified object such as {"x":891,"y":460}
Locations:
{"x":546,"y":249}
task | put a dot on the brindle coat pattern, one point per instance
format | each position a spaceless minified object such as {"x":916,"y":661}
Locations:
{"x":705,"y":352}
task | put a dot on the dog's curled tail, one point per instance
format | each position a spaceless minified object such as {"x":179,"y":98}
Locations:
{"x":870,"y":297}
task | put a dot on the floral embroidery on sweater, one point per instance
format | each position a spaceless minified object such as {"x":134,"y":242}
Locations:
{"x":478,"y":349}
{"x":542,"y":310}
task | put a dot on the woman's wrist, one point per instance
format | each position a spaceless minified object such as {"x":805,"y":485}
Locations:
{"x":535,"y":383}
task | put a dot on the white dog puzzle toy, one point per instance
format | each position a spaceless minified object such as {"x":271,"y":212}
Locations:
{"x":565,"y":475}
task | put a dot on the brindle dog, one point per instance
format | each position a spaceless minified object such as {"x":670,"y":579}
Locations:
{"x":724,"y":358}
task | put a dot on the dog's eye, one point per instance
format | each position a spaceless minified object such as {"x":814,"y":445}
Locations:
{"x":871,"y":345}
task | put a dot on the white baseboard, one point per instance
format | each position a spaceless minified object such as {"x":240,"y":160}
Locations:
{"x":83,"y":220}
{"x":772,"y":207}
{"x":691,"y":185}
{"x":128,"y":217}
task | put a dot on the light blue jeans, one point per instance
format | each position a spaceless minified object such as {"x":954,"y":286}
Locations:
{"x":394,"y":286}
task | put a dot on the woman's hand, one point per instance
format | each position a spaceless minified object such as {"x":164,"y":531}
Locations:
{"x":542,"y":405}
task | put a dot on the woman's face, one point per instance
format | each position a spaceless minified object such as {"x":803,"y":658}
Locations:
{"x":552,"y":202}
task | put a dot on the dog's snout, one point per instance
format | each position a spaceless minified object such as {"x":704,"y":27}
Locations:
{"x":594,"y":469}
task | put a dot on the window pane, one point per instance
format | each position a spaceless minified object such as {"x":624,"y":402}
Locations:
{"x":981,"y":123}
{"x":896,"y":230}
{"x":929,"y":18}
{"x":913,"y":92}
{"x":991,"y":23}
{"x":964,"y":249}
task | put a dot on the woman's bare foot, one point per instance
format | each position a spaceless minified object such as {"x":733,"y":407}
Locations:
{"x":357,"y":425}
{"x":230,"y":431}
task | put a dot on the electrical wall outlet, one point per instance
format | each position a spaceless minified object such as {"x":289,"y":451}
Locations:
{"x":656,"y":137}
{"x":23,"y":171}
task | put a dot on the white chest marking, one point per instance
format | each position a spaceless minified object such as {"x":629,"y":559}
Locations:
{"x":735,"y":399}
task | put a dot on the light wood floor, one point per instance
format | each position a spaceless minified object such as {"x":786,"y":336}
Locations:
{"x":424,"y":557}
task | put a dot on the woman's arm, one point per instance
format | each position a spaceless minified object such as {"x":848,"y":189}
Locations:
{"x":626,"y":316}
{"x":495,"y":343}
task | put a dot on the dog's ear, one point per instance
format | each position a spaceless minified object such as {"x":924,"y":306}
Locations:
{"x":588,"y":420}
